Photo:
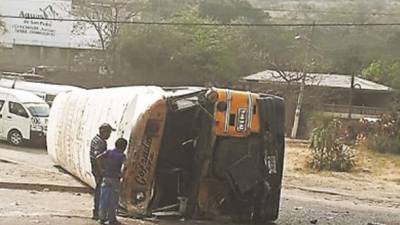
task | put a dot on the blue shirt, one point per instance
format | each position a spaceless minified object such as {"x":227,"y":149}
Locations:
{"x":113,"y":160}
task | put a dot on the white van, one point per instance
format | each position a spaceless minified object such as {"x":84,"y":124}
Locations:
{"x":23,"y":116}
{"x":45,"y":91}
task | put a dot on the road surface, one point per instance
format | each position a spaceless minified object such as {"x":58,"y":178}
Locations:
{"x":44,"y":206}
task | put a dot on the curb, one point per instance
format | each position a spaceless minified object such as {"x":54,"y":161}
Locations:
{"x":317,"y":191}
{"x":297,"y":141}
{"x":44,"y":187}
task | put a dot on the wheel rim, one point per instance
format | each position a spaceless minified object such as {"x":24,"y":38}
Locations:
{"x":15,"y":138}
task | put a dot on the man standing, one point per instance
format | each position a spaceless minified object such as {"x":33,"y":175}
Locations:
{"x":110,"y":163}
{"x":98,"y":145}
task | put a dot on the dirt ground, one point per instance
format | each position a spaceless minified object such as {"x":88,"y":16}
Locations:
{"x":375,"y":179}
{"x":32,"y":166}
{"x":365,"y":196}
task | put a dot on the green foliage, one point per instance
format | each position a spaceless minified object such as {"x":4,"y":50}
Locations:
{"x":221,"y":10}
{"x":328,"y":149}
{"x":229,"y":10}
{"x":384,"y":72}
{"x":183,"y":54}
{"x":188,"y":55}
{"x":383,"y":135}
{"x":164,"y":9}
{"x":384,"y":144}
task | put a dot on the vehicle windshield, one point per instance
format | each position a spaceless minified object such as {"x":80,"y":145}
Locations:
{"x":39,"y":110}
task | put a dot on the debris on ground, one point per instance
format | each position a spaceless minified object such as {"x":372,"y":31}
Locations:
{"x":8,"y":161}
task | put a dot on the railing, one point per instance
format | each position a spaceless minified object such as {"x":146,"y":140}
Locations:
{"x":363,"y":110}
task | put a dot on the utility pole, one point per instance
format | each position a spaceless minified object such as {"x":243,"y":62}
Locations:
{"x":302,"y":86}
{"x":351,"y":95}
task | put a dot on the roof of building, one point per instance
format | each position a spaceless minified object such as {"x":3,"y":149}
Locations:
{"x":317,"y":79}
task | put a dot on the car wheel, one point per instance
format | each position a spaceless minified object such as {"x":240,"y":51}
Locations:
{"x":15,"y":138}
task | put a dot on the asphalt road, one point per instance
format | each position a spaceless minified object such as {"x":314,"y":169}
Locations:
{"x":299,"y":207}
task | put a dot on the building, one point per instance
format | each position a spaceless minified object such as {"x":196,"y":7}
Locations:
{"x":329,"y":94}
{"x":34,"y":38}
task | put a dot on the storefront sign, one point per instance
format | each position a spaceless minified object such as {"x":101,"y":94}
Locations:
{"x":35,"y":24}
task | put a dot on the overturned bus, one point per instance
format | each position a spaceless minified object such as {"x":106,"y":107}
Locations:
{"x":193,"y":152}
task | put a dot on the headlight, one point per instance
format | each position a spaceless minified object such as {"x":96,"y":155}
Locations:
{"x":35,"y":124}
{"x":35,"y":120}
{"x":212,"y":95}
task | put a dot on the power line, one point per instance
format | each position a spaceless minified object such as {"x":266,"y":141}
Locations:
{"x":340,"y":24}
{"x":322,"y":11}
{"x":315,"y":11}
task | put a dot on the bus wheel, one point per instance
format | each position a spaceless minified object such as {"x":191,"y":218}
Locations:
{"x":15,"y":137}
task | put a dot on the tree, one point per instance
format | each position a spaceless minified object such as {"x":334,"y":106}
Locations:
{"x":2,"y":26}
{"x":164,"y":9}
{"x":187,"y":54}
{"x":384,"y":72}
{"x":230,"y":10}
{"x":222,"y":10}
{"x":111,"y":11}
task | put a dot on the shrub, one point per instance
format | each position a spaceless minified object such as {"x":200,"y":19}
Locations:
{"x":383,"y":144}
{"x":328,"y":148}
{"x":382,"y":135}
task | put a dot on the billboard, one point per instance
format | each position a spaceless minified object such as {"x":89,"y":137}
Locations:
{"x":32,"y":27}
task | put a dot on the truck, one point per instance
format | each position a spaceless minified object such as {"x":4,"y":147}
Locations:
{"x":194,"y":152}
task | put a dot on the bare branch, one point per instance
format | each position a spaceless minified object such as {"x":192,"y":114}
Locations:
{"x":285,"y":72}
{"x":111,"y":11}
{"x":2,"y":27}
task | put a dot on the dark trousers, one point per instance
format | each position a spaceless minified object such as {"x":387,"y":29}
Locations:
{"x":97,"y":191}
{"x":109,"y":199}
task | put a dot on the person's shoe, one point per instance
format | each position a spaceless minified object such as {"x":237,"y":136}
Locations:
{"x":114,"y":222}
{"x":95,"y":216}
{"x":102,"y":222}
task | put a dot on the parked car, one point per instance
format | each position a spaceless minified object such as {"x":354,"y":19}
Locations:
{"x":23,"y":116}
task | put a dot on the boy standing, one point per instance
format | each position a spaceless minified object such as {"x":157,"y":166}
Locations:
{"x":110,"y":163}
